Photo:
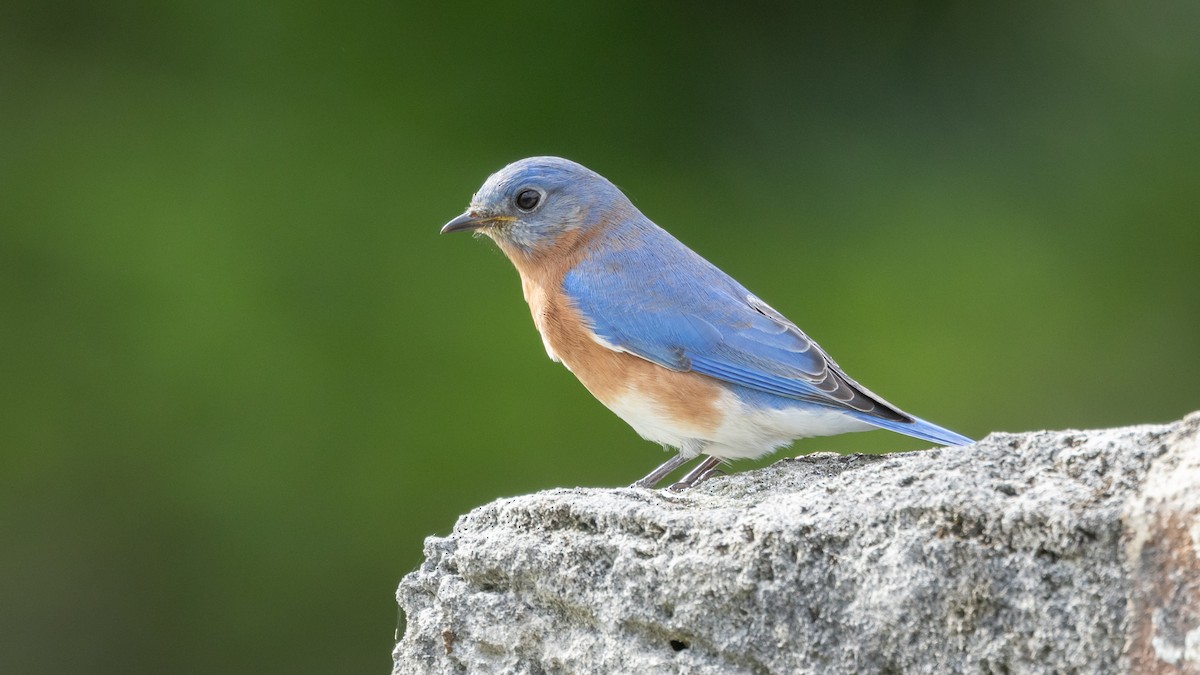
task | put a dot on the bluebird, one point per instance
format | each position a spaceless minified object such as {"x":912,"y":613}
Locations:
{"x":674,"y":346}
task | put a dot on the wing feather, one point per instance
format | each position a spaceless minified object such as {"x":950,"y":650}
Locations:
{"x":666,"y":304}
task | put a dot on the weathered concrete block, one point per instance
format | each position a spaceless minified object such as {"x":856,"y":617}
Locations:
{"x":1063,"y":552}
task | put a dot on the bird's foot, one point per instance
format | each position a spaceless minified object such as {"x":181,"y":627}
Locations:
{"x":703,"y":471}
{"x":656,"y":476}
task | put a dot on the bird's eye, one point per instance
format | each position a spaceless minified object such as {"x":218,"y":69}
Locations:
{"x":527,"y":200}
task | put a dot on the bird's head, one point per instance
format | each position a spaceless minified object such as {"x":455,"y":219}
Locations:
{"x":533,"y":204}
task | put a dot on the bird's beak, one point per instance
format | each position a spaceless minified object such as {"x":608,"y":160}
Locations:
{"x":467,"y":221}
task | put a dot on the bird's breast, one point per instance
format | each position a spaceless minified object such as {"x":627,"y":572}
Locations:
{"x":636,"y":389}
{"x":538,"y":305}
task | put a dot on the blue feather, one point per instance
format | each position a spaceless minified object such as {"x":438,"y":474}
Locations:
{"x":917,"y":428}
{"x":661,"y":301}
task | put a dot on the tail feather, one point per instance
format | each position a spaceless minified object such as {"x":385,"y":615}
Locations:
{"x":918,"y":428}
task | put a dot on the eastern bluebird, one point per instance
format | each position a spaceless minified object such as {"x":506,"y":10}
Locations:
{"x":674,"y":346}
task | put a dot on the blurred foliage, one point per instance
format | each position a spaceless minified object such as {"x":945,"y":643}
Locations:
{"x":243,"y":377}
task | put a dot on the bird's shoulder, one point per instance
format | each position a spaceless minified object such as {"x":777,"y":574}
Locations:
{"x":641,"y":266}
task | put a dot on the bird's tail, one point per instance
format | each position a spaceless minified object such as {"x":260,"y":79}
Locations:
{"x":918,"y":428}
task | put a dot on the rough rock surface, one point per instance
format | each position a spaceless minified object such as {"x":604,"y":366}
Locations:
{"x":1063,"y":552}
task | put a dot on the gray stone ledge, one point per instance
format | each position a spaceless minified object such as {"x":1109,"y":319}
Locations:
{"x":1052,"y":551}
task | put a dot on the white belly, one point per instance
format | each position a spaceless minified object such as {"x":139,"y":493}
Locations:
{"x":743,"y":432}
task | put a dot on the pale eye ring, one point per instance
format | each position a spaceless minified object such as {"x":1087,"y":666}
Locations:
{"x":528,"y":199}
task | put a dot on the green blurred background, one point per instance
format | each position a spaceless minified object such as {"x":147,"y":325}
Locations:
{"x":243,"y":377}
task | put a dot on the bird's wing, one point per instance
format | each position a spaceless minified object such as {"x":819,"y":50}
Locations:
{"x":668,"y":305}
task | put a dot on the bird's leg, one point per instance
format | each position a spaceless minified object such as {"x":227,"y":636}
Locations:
{"x":656,"y":476}
{"x":694,"y":477}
